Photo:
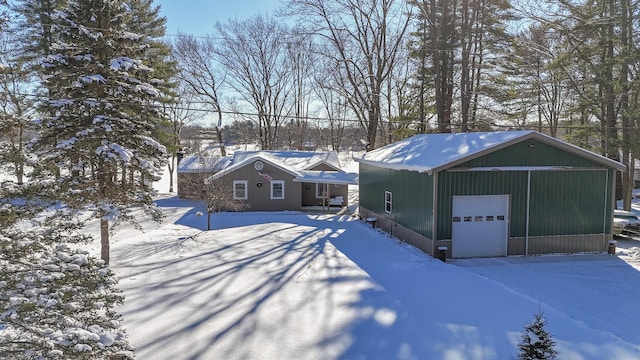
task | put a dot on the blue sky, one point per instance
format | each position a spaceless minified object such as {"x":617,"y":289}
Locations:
{"x":197,"y":17}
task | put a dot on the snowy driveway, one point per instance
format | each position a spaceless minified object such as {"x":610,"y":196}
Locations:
{"x":299,"y":286}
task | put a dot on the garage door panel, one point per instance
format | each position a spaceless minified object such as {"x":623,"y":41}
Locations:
{"x":480,"y":226}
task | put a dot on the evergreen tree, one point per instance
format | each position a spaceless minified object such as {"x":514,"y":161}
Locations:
{"x":34,"y":29}
{"x":458,"y":41}
{"x":536,"y":343}
{"x":16,"y":108}
{"x":104,"y":106}
{"x":56,"y":302}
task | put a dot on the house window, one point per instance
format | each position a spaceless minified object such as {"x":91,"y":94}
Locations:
{"x":321,"y":190}
{"x":277,"y":189}
{"x":388,"y":201}
{"x":240,"y":190}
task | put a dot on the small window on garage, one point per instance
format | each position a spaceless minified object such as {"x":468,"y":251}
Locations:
{"x":277,"y":189}
{"x":388,"y":202}
{"x":240,"y":190}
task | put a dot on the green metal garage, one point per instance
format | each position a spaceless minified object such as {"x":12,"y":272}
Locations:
{"x":490,"y":194}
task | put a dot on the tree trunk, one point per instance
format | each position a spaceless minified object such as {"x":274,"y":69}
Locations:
{"x":627,"y":131}
{"x":104,"y":240}
{"x":218,"y":130}
{"x":171,"y":167}
{"x":465,"y":71}
{"x":208,"y":220}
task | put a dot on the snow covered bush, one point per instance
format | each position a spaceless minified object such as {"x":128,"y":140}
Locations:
{"x":56,"y":302}
{"x":536,"y":343}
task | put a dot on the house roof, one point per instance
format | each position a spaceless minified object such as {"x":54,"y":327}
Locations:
{"x":292,"y":162}
{"x":327,"y":177}
{"x":194,"y":164}
{"x":435,"y":152}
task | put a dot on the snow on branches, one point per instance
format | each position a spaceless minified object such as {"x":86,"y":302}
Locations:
{"x":56,"y":302}
{"x":536,"y":343}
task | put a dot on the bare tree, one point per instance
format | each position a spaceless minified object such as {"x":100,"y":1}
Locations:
{"x":201,"y":72}
{"x":215,"y":194}
{"x":334,"y":106}
{"x":256,"y":55}
{"x":404,"y":119}
{"x":362,"y":38}
{"x":302,"y":59}
{"x":180,"y":113}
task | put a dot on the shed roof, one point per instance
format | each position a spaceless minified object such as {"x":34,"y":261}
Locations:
{"x":194,"y":164}
{"x":436,"y":152}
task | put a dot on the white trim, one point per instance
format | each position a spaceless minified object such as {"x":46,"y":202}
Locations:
{"x":323,"y":193}
{"x":389,"y":201}
{"x":246,"y":189}
{"x":273,"y":182}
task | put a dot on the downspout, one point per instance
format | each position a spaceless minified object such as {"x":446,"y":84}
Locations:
{"x":604,"y":215}
{"x":526,"y":235}
{"x":434,"y":213}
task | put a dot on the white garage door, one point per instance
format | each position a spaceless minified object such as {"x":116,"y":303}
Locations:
{"x":480,"y":226}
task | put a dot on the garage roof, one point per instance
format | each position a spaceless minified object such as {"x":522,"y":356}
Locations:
{"x":435,"y":152}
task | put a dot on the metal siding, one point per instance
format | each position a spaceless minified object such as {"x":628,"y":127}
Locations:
{"x":512,"y":183}
{"x":562,"y":202}
{"x":529,"y":153}
{"x":568,"y":202}
{"x":412,"y":196}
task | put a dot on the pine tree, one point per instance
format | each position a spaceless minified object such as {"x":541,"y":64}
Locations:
{"x":536,"y":343}
{"x":56,"y":302}
{"x":100,"y":137}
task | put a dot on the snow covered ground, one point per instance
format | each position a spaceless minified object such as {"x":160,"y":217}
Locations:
{"x":289,"y":285}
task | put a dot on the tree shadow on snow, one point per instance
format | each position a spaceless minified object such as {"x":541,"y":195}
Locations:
{"x":307,"y":287}
{"x":264,"y":285}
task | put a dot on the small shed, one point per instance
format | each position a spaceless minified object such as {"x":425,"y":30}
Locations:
{"x":490,"y":194}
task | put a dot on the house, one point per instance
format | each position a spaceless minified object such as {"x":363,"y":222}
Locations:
{"x":284,"y":180}
{"x":490,"y":194}
{"x":197,"y":168}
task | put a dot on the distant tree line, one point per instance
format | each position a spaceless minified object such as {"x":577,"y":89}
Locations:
{"x":394,"y":68}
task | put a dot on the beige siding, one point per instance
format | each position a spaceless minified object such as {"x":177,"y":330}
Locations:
{"x":561,"y":244}
{"x":539,"y":245}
